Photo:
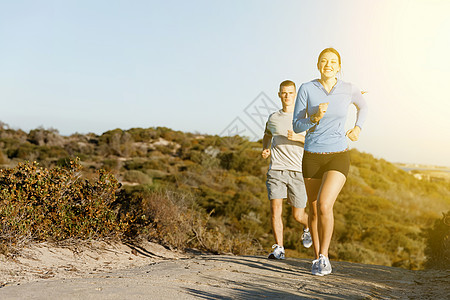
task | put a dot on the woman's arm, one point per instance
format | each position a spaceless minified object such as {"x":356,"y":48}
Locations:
{"x":300,"y":122}
{"x":361,"y":106}
{"x":361,"y":115}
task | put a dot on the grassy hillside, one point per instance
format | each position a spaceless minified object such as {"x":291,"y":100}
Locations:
{"x":208,"y":192}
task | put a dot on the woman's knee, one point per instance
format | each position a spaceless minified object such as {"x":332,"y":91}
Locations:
{"x":325,"y":208}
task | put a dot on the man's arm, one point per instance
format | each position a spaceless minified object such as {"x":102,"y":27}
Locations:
{"x":267,"y":141}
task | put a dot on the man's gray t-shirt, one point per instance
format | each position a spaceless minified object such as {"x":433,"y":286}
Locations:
{"x":285,"y":154}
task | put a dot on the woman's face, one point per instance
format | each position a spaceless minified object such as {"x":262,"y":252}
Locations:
{"x":328,"y":65}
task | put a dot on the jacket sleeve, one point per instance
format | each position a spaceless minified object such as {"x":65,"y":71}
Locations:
{"x":301,"y":121}
{"x":361,"y":106}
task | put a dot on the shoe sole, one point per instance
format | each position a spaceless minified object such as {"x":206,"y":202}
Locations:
{"x":322,"y":273}
{"x":271,"y":256}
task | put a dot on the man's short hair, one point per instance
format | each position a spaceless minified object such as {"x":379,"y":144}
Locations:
{"x":287,"y":83}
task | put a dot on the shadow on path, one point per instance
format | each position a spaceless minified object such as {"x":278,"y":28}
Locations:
{"x":291,"y":279}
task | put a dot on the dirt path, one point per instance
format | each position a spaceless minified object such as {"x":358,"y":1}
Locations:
{"x":239,"y":277}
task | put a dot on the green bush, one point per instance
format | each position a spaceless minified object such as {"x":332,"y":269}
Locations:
{"x":115,"y":142}
{"x":135,"y":176}
{"x":245,"y":160}
{"x":24,"y":151}
{"x":56,"y":204}
{"x":374,"y":179}
{"x":111,"y":164}
{"x":3,"y":158}
{"x":438,"y":244}
{"x":357,"y":252}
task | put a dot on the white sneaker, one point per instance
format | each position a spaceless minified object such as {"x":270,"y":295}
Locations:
{"x":278,"y":252}
{"x":306,"y":238}
{"x":315,"y":267}
{"x":324,"y":265}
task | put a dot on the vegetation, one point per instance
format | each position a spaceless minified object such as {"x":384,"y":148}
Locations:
{"x":438,"y":244}
{"x":56,"y":204}
{"x":206,"y":192}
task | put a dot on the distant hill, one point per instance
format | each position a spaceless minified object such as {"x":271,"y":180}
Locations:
{"x":426,"y":172}
{"x":381,"y":216}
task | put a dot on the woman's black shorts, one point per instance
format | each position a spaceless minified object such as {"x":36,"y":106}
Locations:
{"x":314,"y":165}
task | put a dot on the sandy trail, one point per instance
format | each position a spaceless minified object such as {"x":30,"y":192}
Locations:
{"x":234,"y":277}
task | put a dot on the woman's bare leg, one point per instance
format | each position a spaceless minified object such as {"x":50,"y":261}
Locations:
{"x":312,"y":186}
{"x":332,"y":183}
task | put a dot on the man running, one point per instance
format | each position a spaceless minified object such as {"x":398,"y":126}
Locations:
{"x":285,"y":178}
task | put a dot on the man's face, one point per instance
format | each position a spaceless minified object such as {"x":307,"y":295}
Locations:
{"x":287,"y":95}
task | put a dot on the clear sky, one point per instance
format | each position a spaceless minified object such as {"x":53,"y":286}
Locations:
{"x":196,"y":66}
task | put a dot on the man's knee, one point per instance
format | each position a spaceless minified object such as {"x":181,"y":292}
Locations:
{"x":276,"y":207}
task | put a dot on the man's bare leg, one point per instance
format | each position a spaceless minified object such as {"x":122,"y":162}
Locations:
{"x":277,"y":220}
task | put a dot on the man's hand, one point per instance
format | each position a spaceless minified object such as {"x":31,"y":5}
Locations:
{"x":296,"y":137}
{"x":320,"y":112}
{"x":353,"y":134}
{"x":265,"y":153}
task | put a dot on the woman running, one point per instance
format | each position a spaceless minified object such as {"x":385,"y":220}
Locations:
{"x":321,"y":108}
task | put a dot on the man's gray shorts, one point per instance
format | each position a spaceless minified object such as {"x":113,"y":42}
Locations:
{"x":287,"y":184}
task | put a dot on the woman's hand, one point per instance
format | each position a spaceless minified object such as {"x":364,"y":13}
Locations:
{"x":320,"y":112}
{"x":265,"y":153}
{"x":353,"y":134}
{"x":296,"y":137}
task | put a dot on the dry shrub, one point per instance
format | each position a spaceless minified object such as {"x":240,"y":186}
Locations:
{"x":136,"y":176}
{"x":438,"y":244}
{"x":175,"y":220}
{"x":3,"y":158}
{"x":357,"y":252}
{"x":55,"y":204}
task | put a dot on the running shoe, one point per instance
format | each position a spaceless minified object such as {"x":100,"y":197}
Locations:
{"x":324,"y":265}
{"x":278,"y":252}
{"x":306,"y":238}
{"x":315,"y":267}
